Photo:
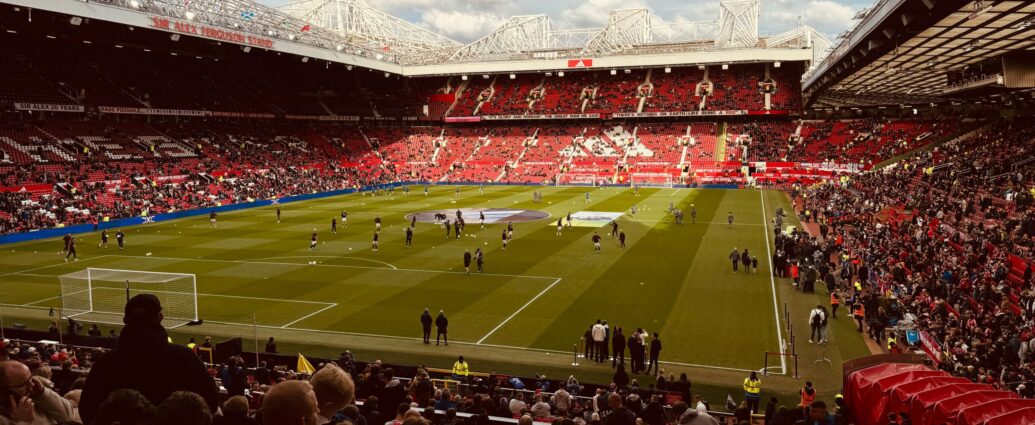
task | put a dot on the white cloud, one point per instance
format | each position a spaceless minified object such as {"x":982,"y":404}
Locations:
{"x":829,"y":16}
{"x":592,"y":13}
{"x":463,"y":26}
{"x":468,"y":20}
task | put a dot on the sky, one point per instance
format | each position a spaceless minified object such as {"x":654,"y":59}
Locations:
{"x":468,"y":20}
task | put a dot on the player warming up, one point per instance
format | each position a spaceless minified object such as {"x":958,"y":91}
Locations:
{"x":479,"y":257}
{"x":212,"y":219}
{"x":344,"y":218}
{"x":374,"y":243}
{"x":596,"y":243}
{"x":377,"y":223}
{"x":481,"y":218}
{"x":121,"y":239}
{"x":560,"y":226}
{"x":504,"y":236}
{"x":104,"y":239}
{"x":621,"y":239}
{"x":71,"y":250}
{"x":409,"y":237}
{"x":467,"y":261}
{"x":729,"y":218}
{"x":278,"y":214}
{"x":693,"y":214}
{"x":334,"y":225}
{"x":312,"y":240}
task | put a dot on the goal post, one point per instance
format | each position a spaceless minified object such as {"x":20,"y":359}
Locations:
{"x":100,"y":295}
{"x":651,"y":180}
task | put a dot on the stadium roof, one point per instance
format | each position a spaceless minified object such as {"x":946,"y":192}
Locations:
{"x":352,"y":33}
{"x":900,"y":51}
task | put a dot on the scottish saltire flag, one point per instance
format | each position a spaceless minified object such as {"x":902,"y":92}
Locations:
{"x":247,"y":15}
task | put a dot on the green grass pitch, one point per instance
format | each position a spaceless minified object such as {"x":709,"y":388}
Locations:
{"x":541,"y":293}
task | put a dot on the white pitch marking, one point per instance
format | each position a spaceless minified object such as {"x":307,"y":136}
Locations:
{"x":328,"y":256}
{"x":772,"y":282}
{"x":329,"y":265}
{"x":519,"y":310}
{"x":310,"y":315}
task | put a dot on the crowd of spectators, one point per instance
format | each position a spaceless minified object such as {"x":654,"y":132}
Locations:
{"x":941,"y":244}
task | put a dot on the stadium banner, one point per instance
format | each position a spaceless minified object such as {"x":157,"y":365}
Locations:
{"x":931,"y":347}
{"x":539,"y":117}
{"x":462,"y":119}
{"x":28,"y":188}
{"x":49,"y":107}
{"x":151,"y":111}
{"x":676,"y":114}
{"x":379,"y":119}
{"x":580,"y":63}
{"x":592,"y":218}
{"x":340,"y":118}
{"x":770,"y":112}
{"x":241,"y":114}
{"x":215,"y":33}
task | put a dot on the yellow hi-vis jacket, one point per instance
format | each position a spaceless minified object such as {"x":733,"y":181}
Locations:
{"x":752,"y":387}
{"x":460,"y":368}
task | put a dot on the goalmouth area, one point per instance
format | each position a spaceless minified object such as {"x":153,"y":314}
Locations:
{"x":256,"y":278}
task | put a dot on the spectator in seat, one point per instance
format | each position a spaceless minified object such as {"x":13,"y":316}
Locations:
{"x":235,"y":412}
{"x":619,"y":414}
{"x":183,"y":408}
{"x":26,"y":400}
{"x":145,"y":361}
{"x":124,"y":407}
{"x":371,"y":413}
{"x":290,"y":403}
{"x":334,"y":390}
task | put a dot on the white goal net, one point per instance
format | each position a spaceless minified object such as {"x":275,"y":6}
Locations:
{"x":651,"y":180}
{"x":100,"y":295}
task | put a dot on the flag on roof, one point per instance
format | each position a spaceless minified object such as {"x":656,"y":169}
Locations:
{"x":306,"y":27}
{"x":247,"y":15}
{"x":304,"y":366}
{"x":386,"y":48}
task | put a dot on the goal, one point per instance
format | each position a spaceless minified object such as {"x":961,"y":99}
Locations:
{"x":651,"y":180}
{"x":100,"y":295}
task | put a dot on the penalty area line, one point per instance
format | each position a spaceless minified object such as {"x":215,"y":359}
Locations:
{"x":547,"y":289}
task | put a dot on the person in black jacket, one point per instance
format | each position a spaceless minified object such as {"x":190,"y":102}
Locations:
{"x":425,"y":323}
{"x":618,"y":346}
{"x":619,"y":414}
{"x":442,"y":323}
{"x":145,"y":361}
{"x":655,"y":352}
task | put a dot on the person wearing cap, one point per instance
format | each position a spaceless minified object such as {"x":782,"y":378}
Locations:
{"x":145,"y":361}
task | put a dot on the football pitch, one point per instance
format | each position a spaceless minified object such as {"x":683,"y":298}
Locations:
{"x":539,"y":294}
